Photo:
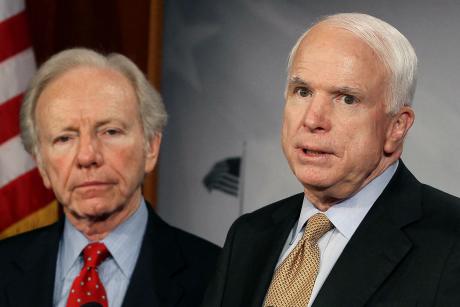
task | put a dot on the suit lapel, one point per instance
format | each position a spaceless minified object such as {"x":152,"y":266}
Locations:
{"x":32,"y":283}
{"x":153,"y":282}
{"x":269,"y":243}
{"x":377,"y":246}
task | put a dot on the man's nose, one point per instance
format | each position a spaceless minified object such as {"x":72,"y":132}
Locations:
{"x":317,"y":114}
{"x":89,"y":154}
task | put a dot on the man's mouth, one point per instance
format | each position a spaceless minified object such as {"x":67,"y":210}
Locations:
{"x":313,"y":152}
{"x":91,"y":184}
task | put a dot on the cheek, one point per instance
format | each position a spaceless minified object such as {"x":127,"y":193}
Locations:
{"x":128,"y":160}
{"x":285,"y":137}
{"x":289,"y":124}
{"x":57,"y":167}
{"x":57,"y":172}
{"x":364,"y":144}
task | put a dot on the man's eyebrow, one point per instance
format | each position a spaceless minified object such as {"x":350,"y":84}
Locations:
{"x":297,"y":81}
{"x":110,"y":121}
{"x":349,"y":90}
{"x":68,"y":128}
{"x":103,"y":122}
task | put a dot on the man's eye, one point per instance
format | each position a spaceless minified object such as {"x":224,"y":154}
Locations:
{"x":349,"y":99}
{"x":112,"y":132}
{"x":61,"y":139}
{"x":302,"y":91}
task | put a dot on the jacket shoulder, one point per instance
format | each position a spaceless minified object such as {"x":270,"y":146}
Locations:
{"x":279,"y":209}
{"x":23,"y":247}
{"x":441,"y":205}
{"x":432,"y":194}
{"x":13,"y":246}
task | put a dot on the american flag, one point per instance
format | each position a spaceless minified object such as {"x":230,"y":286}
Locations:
{"x":24,"y":202}
{"x":224,"y":176}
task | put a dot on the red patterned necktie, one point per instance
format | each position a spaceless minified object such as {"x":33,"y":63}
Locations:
{"x":87,"y":286}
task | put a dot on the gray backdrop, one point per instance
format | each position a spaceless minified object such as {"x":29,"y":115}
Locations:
{"x":223,"y":78}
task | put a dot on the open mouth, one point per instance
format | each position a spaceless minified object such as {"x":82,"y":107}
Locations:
{"x":313,"y":152}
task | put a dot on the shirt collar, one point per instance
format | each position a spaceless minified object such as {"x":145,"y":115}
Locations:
{"x":124,"y":242}
{"x":348,"y":214}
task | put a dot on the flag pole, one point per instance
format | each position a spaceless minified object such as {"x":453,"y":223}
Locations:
{"x":154,"y":76}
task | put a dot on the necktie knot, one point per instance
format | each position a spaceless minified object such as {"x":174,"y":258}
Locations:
{"x":94,"y":254}
{"x":317,"y":226}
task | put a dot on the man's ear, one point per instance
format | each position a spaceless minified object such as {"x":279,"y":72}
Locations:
{"x":398,"y":128}
{"x":41,"y":169}
{"x":152,"y":151}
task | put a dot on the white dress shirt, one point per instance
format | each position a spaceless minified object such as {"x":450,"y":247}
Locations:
{"x":124,"y":244}
{"x":346,"y":217}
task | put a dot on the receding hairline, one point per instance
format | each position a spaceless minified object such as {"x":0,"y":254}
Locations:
{"x":328,"y":24}
{"x":325,"y":25}
{"x":108,"y":73}
{"x":100,"y":71}
{"x":103,"y":71}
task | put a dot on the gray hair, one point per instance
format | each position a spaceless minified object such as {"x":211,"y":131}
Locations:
{"x":391,"y":47}
{"x":151,"y":108}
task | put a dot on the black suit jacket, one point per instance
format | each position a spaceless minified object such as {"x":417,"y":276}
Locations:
{"x":173,"y":267}
{"x":406,"y":252}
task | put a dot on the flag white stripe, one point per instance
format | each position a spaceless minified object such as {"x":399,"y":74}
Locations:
{"x":225,"y":189}
{"x":15,"y":74}
{"x":224,"y":184}
{"x":230,"y":177}
{"x":10,"y":8}
{"x":14,"y":161}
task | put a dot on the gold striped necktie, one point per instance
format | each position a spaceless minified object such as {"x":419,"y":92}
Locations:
{"x":295,"y":277}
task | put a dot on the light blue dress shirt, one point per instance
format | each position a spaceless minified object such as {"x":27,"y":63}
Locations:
{"x":346,"y":217}
{"x":124,"y":244}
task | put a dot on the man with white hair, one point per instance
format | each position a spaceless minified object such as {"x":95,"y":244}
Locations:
{"x":93,"y":123}
{"x":364,"y":232}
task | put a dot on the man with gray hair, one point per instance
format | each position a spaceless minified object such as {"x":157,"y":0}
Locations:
{"x":364,"y":232}
{"x":93,"y":123}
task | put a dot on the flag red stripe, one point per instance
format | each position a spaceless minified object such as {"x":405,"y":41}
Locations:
{"x":14,"y":36}
{"x":9,"y":118}
{"x":22,"y":197}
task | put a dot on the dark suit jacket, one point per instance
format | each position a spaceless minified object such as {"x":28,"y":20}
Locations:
{"x":173,"y":267}
{"x":406,"y":252}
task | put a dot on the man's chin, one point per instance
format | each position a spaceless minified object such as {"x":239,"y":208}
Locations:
{"x":92,"y":212}
{"x":313,"y":180}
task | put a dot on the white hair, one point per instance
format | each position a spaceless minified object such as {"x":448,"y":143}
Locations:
{"x":391,"y":47}
{"x":151,"y":108}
